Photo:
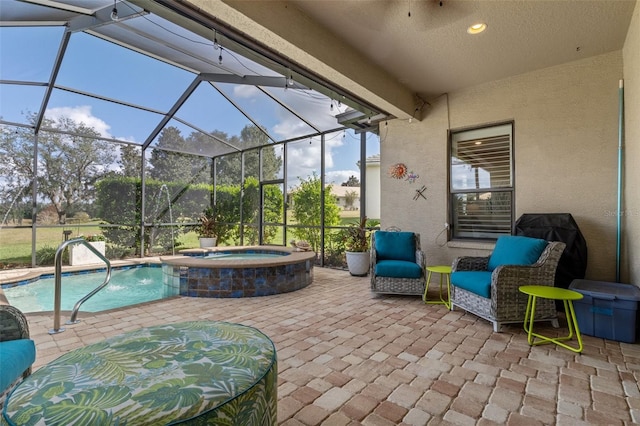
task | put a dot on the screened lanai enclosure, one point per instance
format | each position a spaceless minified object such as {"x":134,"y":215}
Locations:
{"x":126,"y":120}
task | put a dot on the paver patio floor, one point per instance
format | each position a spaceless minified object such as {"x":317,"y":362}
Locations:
{"x":348,"y":357}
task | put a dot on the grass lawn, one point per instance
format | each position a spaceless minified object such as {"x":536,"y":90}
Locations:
{"x":15,"y":243}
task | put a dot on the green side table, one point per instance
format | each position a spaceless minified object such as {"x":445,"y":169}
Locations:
{"x":444,"y":271}
{"x":567,"y":297}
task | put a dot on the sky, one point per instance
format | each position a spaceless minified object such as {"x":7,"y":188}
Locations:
{"x":93,"y":65}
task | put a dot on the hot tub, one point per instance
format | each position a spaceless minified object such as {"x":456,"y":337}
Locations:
{"x":238,"y":271}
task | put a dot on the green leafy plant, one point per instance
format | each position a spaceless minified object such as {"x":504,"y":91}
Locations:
{"x":46,"y":255}
{"x":94,"y":237}
{"x":307,"y":212}
{"x":207,"y":227}
{"x":356,"y":236}
{"x":213,"y":224}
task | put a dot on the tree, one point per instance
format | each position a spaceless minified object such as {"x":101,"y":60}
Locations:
{"x":307,"y":209}
{"x":15,"y":193}
{"x":200,"y":164}
{"x":69,"y":163}
{"x":352,"y":181}
{"x":170,"y":166}
{"x":229,"y":166}
{"x":349,"y":198}
{"x":130,"y":160}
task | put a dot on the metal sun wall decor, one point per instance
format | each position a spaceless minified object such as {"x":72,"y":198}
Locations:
{"x":398,"y":171}
{"x":401,"y":171}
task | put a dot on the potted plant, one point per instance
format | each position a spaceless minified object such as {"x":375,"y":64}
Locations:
{"x":207,"y":230}
{"x":356,"y":243}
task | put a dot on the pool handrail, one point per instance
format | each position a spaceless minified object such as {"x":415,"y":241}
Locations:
{"x":57,"y":297}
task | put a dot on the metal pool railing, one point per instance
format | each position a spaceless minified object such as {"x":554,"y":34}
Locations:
{"x":57,"y":298}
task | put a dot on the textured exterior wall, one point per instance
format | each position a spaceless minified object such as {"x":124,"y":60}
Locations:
{"x":630,"y":270}
{"x":565,"y":154}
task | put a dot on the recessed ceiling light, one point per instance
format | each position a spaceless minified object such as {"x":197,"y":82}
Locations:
{"x":477,"y":28}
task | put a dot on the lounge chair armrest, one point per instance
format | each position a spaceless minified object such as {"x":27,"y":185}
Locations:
{"x":420,"y":259}
{"x":470,"y":263}
{"x":13,"y":324}
{"x":507,"y":279}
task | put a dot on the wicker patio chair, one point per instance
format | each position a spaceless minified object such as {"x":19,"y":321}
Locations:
{"x":403,"y":265}
{"x":506,"y":303}
{"x":18,"y":351}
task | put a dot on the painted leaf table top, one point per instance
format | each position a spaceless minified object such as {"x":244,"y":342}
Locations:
{"x":204,"y":372}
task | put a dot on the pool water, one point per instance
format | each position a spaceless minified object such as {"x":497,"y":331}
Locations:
{"x":237,"y":256}
{"x":127,"y":287}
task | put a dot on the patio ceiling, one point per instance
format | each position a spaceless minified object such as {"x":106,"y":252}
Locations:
{"x":151,"y":68}
{"x":390,"y":49}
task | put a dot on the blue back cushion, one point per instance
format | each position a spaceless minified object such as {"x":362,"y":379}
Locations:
{"x":395,"y":246}
{"x":516,"y":250}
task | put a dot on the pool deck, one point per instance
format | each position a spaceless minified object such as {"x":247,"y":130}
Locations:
{"x":350,"y":357}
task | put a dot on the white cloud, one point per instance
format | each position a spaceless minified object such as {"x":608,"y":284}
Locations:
{"x":81,"y":114}
{"x":288,"y":128}
{"x":337,"y":177}
{"x":304,"y":158}
{"x":245,"y":91}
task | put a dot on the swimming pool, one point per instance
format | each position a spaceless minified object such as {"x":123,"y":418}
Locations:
{"x":127,"y":287}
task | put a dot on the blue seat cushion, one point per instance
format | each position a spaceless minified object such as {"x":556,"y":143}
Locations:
{"x":16,"y":356}
{"x":395,"y":246}
{"x":398,"y":269}
{"x":516,"y":250}
{"x":478,"y":282}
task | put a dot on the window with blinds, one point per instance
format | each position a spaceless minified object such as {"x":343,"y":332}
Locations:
{"x":481,"y":182}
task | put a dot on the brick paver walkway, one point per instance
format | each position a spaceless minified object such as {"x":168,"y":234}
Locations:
{"x":349,"y":357}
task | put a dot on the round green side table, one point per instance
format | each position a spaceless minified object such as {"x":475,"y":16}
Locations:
{"x":567,"y":297}
{"x":444,"y":271}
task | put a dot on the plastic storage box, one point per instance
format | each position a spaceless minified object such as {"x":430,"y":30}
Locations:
{"x":607,"y":310}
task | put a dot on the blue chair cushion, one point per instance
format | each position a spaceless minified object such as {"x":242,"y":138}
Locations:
{"x":478,"y":282}
{"x":398,"y":269}
{"x":516,"y":250}
{"x":17,"y":356}
{"x":395,"y":246}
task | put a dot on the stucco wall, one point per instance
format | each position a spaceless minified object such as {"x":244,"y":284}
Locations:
{"x":630,"y":270}
{"x":565,"y":154}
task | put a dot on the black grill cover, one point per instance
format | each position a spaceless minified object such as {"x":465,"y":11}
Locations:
{"x":558,"y":227}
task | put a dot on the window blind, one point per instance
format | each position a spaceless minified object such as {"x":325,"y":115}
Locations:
{"x":481,"y":182}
